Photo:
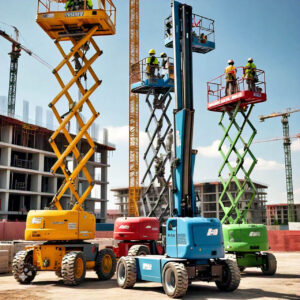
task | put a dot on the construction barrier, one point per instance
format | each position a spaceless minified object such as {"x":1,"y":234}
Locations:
{"x":284,"y":240}
{"x":279,"y":240}
{"x":12,"y":230}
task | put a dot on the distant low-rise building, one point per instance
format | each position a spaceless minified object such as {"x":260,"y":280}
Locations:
{"x":208,"y":200}
{"x":277,"y":214}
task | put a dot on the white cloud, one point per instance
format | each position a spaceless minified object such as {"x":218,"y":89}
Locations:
{"x":264,"y":165}
{"x":211,"y":150}
{"x":295,"y":145}
{"x":119,"y":134}
{"x":267,"y":165}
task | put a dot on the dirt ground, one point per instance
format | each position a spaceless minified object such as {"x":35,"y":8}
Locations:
{"x":284,"y":285}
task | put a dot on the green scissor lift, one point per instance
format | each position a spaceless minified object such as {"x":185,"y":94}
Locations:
{"x":246,"y":241}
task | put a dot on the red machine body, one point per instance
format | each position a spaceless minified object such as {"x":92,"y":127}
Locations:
{"x":217,"y":100}
{"x":136,"y":229}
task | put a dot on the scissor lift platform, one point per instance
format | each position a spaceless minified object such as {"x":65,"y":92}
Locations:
{"x":203,"y":34}
{"x":219,"y":100}
{"x":160,"y":81}
{"x":64,"y":24}
{"x":159,"y":85}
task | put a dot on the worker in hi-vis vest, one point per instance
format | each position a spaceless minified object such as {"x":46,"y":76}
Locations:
{"x":151,"y":64}
{"x":230,"y":76}
{"x":78,"y":4}
{"x":250,"y":74}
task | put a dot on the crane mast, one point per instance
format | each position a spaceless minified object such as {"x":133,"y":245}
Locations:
{"x":134,"y":190}
{"x":287,"y":157}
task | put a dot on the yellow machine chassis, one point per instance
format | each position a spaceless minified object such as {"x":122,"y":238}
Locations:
{"x":49,"y":257}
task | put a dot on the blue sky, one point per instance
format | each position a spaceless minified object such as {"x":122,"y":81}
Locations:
{"x":267,"y":30}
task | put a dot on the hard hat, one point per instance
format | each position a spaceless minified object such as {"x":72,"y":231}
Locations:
{"x":250,"y":59}
{"x":151,"y":51}
{"x":230,"y":61}
{"x":163,"y":54}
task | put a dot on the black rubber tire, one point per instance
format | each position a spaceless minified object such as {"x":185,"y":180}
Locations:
{"x":101,"y":272}
{"x":68,"y":268}
{"x":22,"y":267}
{"x":126,"y":272}
{"x":270,"y":267}
{"x":175,"y":279}
{"x":231,"y":276}
{"x":137,"y":250}
{"x":58,"y":273}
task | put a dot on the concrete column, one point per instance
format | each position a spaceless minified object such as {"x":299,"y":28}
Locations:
{"x":38,"y":162}
{"x":36,"y":183}
{"x":103,"y":208}
{"x":4,"y":179}
{"x":6,"y":133}
{"x":5,"y":156}
{"x":35,"y":202}
{"x":4,"y":202}
{"x":52,"y":184}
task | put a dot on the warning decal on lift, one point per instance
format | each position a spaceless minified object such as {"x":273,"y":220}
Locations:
{"x":74,"y":14}
{"x":72,"y":225}
{"x":147,"y":267}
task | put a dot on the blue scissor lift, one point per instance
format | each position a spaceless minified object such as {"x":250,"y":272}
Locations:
{"x":194,"y":249}
{"x":157,"y":83}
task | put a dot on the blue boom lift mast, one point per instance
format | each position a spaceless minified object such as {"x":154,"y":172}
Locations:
{"x":194,"y":245}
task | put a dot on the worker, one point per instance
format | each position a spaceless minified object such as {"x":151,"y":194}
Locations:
{"x":151,"y":64}
{"x":169,"y":142}
{"x":250,"y":74}
{"x":164,"y":60}
{"x":203,"y":38}
{"x":159,"y":169}
{"x":230,"y":76}
{"x":164,"y":64}
{"x":78,"y":4}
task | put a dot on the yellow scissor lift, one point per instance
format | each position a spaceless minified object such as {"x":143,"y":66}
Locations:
{"x":62,"y":232}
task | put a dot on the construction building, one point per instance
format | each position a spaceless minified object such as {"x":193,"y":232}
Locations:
{"x":25,"y":179}
{"x":277,"y":214}
{"x":208,"y":200}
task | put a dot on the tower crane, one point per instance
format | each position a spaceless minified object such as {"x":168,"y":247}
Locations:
{"x":295,"y":136}
{"x":133,"y":191}
{"x":287,"y":156}
{"x":13,"y":70}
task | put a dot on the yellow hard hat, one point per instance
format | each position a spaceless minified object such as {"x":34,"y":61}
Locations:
{"x":151,"y":51}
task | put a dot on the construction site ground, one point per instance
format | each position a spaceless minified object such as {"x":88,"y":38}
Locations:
{"x":284,"y":285}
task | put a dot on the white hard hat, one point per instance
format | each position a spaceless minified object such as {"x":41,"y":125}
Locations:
{"x":250,"y":59}
{"x":230,"y":61}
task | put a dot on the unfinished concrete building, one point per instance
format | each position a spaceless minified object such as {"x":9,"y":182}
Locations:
{"x":25,"y":161}
{"x":208,"y":200}
{"x":277,"y":213}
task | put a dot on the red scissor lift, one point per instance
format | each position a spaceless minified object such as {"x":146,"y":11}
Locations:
{"x":218,"y":100}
